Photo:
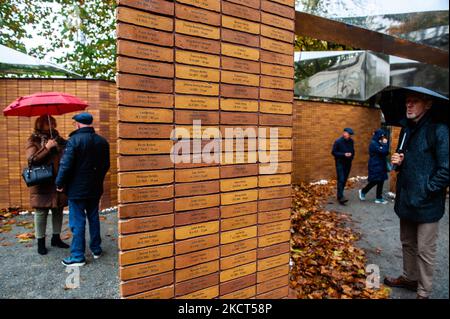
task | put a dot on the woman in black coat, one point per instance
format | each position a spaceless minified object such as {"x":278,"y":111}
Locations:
{"x":378,"y":151}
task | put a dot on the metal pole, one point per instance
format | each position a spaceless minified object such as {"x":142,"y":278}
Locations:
{"x":50,"y":126}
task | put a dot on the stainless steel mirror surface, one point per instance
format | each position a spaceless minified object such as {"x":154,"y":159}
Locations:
{"x":424,"y":22}
{"x":348,"y":75}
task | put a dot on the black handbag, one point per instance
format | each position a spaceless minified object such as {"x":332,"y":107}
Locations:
{"x":38,"y":174}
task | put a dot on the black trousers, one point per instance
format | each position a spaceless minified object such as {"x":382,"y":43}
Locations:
{"x":370,"y":185}
{"x":342,"y":171}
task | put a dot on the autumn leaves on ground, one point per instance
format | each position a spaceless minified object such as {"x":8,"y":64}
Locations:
{"x":327,"y":264}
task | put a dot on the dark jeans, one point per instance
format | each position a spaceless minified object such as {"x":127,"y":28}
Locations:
{"x":79,"y":210}
{"x":342,"y":171}
{"x":369,"y":186}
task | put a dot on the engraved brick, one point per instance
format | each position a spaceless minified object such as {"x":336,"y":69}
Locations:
{"x":274,"y":250}
{"x":144,"y":99}
{"x":197,"y":15}
{"x":144,"y":162}
{"x":197,"y":44}
{"x":240,"y":24}
{"x":238,"y":222}
{"x":197,"y":188}
{"x":274,"y":227}
{"x":198,"y":257}
{"x":145,"y":239}
{"x":197,"y":29}
{"x":197,"y":243}
{"x":146,"y":269}
{"x":239,"y":91}
{"x":157,"y":6}
{"x":160,"y":293}
{"x":143,"y":224}
{"x":144,"y":19}
{"x":142,"y":194}
{"x":145,"y":209}
{"x":238,"y":247}
{"x":145,"y":254}
{"x":240,"y":65}
{"x":246,"y":293}
{"x":141,"y":34}
{"x":196,"y":284}
{"x":273,"y":239}
{"x":213,"y":5}
{"x":144,"y":284}
{"x":237,"y":284}
{"x":281,"y":10}
{"x":237,"y":272}
{"x":237,"y":260}
{"x":144,"y":83}
{"x":240,"y":11}
{"x":195,"y":230}
{"x":238,"y":209}
{"x":131,"y":130}
{"x":144,"y":51}
{"x":197,"y":271}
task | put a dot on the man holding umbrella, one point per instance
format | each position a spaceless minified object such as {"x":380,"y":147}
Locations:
{"x":422,"y":162}
{"x":81,"y":173}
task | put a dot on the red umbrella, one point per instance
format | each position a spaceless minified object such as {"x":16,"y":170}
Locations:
{"x":47,"y":103}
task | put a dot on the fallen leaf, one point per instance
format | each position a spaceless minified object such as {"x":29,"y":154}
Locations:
{"x":66,"y":236}
{"x":25,"y":237}
{"x":326,"y":262}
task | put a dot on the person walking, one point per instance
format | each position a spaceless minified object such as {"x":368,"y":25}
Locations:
{"x":343,"y":152}
{"x":422,"y":180}
{"x":81,"y":174}
{"x":43,"y":148}
{"x":378,"y":172}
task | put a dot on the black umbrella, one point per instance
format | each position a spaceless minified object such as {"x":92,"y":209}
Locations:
{"x":393,"y":106}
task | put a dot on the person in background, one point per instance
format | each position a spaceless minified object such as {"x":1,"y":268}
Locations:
{"x":43,"y":148}
{"x":378,"y":172}
{"x":343,"y":152}
{"x":422,"y":181}
{"x":81,"y":174}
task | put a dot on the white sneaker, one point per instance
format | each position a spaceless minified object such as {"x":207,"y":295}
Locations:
{"x":97,"y":256}
{"x":361,"y":195}
{"x":381,"y":201}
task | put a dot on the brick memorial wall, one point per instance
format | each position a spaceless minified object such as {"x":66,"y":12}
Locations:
{"x":201,"y":229}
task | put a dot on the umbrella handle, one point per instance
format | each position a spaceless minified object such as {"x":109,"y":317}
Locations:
{"x":50,"y":126}
{"x":400,"y":150}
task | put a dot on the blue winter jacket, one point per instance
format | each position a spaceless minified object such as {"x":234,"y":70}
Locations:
{"x":84,"y":164}
{"x":378,"y":158}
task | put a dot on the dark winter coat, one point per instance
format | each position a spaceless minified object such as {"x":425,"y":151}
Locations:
{"x":378,"y":158}
{"x":84,"y":164}
{"x":342,"y":146}
{"x":45,"y":196}
{"x":424,"y":174}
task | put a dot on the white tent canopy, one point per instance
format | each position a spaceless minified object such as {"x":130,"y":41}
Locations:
{"x":15,"y":62}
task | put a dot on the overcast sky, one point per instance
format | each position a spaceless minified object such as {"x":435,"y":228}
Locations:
{"x":378,"y":7}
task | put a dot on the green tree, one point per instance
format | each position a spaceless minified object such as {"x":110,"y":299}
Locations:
{"x":320,"y":8}
{"x":80,"y":33}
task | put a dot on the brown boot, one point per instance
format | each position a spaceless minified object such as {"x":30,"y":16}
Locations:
{"x":401,"y":282}
{"x":421,"y":297}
